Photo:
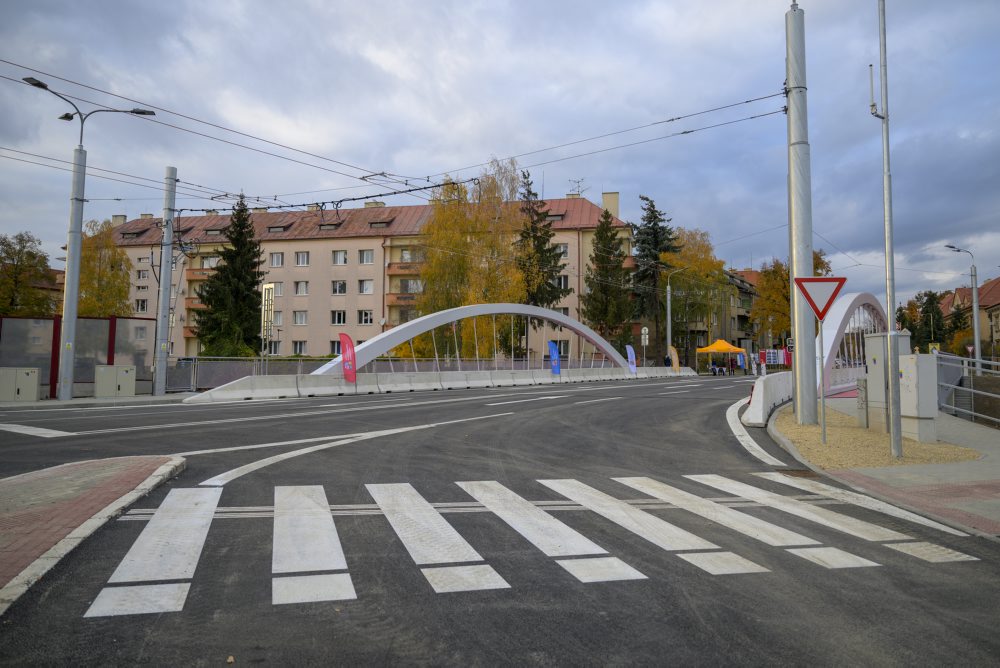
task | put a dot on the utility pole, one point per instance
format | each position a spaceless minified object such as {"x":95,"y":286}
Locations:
{"x":800,"y":217}
{"x":162,"y":351}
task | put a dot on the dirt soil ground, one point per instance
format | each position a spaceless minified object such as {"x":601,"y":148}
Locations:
{"x":850,"y":446}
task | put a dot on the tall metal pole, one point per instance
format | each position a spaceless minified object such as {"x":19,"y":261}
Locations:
{"x":71,"y":293}
{"x":162,"y":351}
{"x":892,"y":363}
{"x":800,"y":217}
{"x":975,"y":318}
{"x":670,"y":338}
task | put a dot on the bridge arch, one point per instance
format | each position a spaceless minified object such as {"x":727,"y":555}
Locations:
{"x":389,"y":339}
{"x":851,"y":317}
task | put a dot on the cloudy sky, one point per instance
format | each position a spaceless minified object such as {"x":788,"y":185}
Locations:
{"x":414,"y":90}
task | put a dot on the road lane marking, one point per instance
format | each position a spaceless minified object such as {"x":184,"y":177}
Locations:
{"x":229,"y":476}
{"x":425,"y":534}
{"x":822,"y":516}
{"x":600,"y":569}
{"x":743,"y":436}
{"x":662,"y":394}
{"x":35,"y":431}
{"x":139,"y":600}
{"x":170,"y":545}
{"x":858,"y":499}
{"x":277,"y":444}
{"x":521,"y":401}
{"x":594,"y":401}
{"x":657,"y":531}
{"x":722,"y":563}
{"x":545,"y":532}
{"x":312,"y":588}
{"x":748,"y":525}
{"x":831,"y":557}
{"x":450,"y":579}
{"x":935,"y":554}
{"x":305,"y":537}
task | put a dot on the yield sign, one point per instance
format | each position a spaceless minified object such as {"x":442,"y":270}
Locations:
{"x":820,"y":292}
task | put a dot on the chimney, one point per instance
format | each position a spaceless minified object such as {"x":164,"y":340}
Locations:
{"x":572,"y":195}
{"x":312,"y":207}
{"x":145,"y":215}
{"x":259,"y":209}
{"x":117,"y":219}
{"x":212,"y":212}
{"x":373,"y":204}
{"x":610,"y":202}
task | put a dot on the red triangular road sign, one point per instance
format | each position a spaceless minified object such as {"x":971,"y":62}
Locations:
{"x":820,"y":292}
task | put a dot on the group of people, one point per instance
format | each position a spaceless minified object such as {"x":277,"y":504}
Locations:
{"x":729,"y":368}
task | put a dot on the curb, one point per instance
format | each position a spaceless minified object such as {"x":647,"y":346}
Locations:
{"x":40,"y":566}
{"x":50,"y":404}
{"x":787,"y":445}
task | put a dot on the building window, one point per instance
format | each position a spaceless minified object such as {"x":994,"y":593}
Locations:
{"x":300,"y":317}
{"x":365,"y":317}
{"x":298,"y":347}
{"x":140,"y":333}
{"x":142,"y":274}
{"x":561,"y":281}
{"x":411,"y":286}
{"x":563,"y":250}
{"x":301,"y":287}
{"x":338,"y":317}
{"x":339,"y":287}
{"x":301,"y":258}
{"x":366,"y":286}
{"x":210,"y":262}
{"x":405,"y":255}
{"x":407,"y":314}
{"x":366,"y":256}
{"x":340,"y":257}
{"x":140,"y":305}
{"x":278,"y":319}
{"x":335,"y":347}
{"x":277,"y":259}
{"x":273,"y":347}
{"x":141,"y":288}
{"x":143,"y":260}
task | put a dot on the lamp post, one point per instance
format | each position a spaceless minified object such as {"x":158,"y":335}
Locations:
{"x":71,"y":294}
{"x":975,"y":306}
{"x":670,"y":338}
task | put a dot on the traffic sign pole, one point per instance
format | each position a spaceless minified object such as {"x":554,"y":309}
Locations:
{"x":820,"y":292}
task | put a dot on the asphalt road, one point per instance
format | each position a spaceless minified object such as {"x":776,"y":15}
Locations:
{"x":602,"y":523}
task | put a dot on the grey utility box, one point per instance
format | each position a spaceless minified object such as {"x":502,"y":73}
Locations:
{"x":114,"y":380}
{"x":18,"y":384}
{"x":876,"y":351}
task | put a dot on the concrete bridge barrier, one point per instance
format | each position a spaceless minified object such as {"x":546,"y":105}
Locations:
{"x":769,"y":391}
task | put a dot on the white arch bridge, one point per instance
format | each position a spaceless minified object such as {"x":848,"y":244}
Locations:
{"x":851,"y":317}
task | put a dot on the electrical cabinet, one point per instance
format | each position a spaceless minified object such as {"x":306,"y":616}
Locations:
{"x":114,"y":380}
{"x":19,"y":384}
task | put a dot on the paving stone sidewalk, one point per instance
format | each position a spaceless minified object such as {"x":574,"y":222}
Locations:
{"x":45,"y":514}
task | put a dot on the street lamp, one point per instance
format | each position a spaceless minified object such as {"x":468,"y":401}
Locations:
{"x":71,"y":294}
{"x":975,"y":305}
{"x":670,"y":338}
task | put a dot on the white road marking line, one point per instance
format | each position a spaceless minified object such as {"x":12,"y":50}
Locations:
{"x":722,"y":563}
{"x":545,"y":532}
{"x":35,"y":431}
{"x":425,"y":534}
{"x":450,"y":579}
{"x":312,"y":588}
{"x":600,"y":569}
{"x":139,"y":600}
{"x":170,"y":545}
{"x":305,"y":538}
{"x":858,"y":500}
{"x":935,"y":554}
{"x":662,"y":394}
{"x":743,"y":436}
{"x":748,"y":380}
{"x":831,"y":557}
{"x":229,"y":476}
{"x":521,"y":401}
{"x":657,"y":531}
{"x":827,"y":518}
{"x":748,"y":525}
{"x":594,"y":401}
{"x":277,"y":444}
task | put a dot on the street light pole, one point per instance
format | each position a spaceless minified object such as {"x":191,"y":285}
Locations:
{"x":71,"y":293}
{"x":975,"y":307}
{"x":670,"y":338}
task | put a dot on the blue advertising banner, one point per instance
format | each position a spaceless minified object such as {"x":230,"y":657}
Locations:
{"x":554,"y":356}
{"x":631,"y":357}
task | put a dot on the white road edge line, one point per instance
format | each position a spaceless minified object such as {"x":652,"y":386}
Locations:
{"x":521,"y":401}
{"x":743,"y":436}
{"x":35,"y":431}
{"x":594,"y":401}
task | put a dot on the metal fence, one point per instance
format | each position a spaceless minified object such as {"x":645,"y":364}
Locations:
{"x":967,"y":392}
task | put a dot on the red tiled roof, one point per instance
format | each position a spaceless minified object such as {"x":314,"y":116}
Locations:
{"x":989,"y":296}
{"x":576,"y":213}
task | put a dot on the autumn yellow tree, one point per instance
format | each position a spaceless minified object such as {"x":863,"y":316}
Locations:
{"x":104,"y":273}
{"x":698,"y":286}
{"x":770,"y":312}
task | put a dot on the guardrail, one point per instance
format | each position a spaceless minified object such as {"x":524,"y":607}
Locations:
{"x":964,"y":393}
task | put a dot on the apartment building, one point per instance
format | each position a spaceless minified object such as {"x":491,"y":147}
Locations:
{"x":355,"y":271}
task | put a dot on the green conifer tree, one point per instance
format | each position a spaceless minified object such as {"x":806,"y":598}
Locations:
{"x":653,"y":237}
{"x":607,"y":305}
{"x":538,"y":259}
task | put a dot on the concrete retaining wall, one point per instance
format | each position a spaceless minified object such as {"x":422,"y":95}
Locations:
{"x":769,"y":391}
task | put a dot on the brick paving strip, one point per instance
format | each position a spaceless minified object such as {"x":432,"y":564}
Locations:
{"x":45,"y":514}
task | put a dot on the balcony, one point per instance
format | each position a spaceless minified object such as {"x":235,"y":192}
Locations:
{"x":629,"y":262}
{"x":190,"y":333}
{"x":193,"y":303}
{"x":403,"y":268}
{"x":401,"y":299}
{"x":197,"y":274}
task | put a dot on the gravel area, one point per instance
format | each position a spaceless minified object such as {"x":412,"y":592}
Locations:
{"x":850,"y":446}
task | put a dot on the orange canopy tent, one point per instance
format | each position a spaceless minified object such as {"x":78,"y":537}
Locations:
{"x":719,"y":346}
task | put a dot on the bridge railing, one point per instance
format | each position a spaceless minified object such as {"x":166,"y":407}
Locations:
{"x":964,"y":393}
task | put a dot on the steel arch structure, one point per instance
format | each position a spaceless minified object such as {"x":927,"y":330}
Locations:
{"x":386,"y":341}
{"x":851,"y":317}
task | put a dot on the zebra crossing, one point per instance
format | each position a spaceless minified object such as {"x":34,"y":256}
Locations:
{"x":308,"y":563}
